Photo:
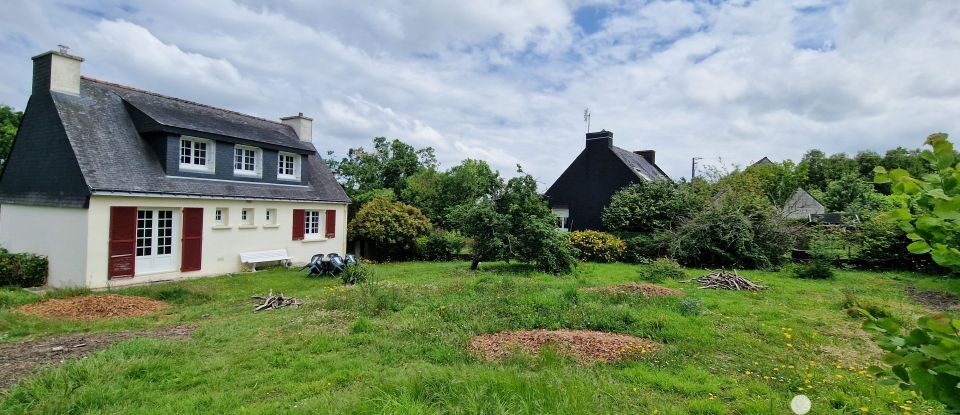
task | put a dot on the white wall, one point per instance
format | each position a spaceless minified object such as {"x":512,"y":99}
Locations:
{"x":221,"y":246}
{"x":58,"y":233}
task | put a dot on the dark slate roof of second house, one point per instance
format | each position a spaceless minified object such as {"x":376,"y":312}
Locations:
{"x":640,"y":165}
{"x":113,"y":158}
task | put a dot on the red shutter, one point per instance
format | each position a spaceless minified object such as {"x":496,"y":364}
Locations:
{"x":331,"y":227}
{"x":122,"y":249}
{"x":298,"y":224}
{"x":192,"y":239}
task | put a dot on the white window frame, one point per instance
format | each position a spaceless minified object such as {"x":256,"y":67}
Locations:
{"x":563,"y":219}
{"x":296,"y":166}
{"x":224,"y":216}
{"x":313,"y":224}
{"x":270,"y":217}
{"x":210,"y":157}
{"x":257,"y":161}
{"x":246,"y":216}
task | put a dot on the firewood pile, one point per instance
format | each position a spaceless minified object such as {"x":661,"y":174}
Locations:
{"x":270,"y":301}
{"x":726,"y":280}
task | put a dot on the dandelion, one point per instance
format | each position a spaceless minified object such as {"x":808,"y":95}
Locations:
{"x":864,"y":409}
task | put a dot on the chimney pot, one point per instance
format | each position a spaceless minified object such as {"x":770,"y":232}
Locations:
{"x":301,"y":125}
{"x":56,"y":71}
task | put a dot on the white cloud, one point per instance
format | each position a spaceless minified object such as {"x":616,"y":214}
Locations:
{"x":507,"y":81}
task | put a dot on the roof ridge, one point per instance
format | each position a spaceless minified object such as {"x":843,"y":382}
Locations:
{"x":186,"y":101}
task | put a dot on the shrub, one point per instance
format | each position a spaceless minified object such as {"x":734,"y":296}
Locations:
{"x":392,"y":227}
{"x":355,"y":274}
{"x":643,"y":248}
{"x":24,"y":270}
{"x":884,"y":246}
{"x":554,"y":254}
{"x":649,"y":206}
{"x":818,"y":269}
{"x":925,"y":359}
{"x":440,"y":245}
{"x":660,"y":270}
{"x":594,"y":246}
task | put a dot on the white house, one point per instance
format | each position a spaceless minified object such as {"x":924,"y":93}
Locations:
{"x":121,"y":186}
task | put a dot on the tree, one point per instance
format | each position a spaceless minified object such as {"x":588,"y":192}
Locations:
{"x":391,"y":227}
{"x":929,"y":212}
{"x":812,"y":168}
{"x":9,"y":124}
{"x":849,"y":190}
{"x":648,"y":206}
{"x":386,"y":167}
{"x":778,"y":181}
{"x":437,"y":193}
{"x":867,"y":161}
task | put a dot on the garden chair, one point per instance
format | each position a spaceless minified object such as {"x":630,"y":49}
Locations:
{"x":335,"y":264}
{"x":315,"y":265}
{"x":351,"y":259}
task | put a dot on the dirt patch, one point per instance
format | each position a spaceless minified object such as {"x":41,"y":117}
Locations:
{"x":647,"y":290}
{"x":19,"y":359}
{"x":585,"y":345}
{"x":934,"y":300}
{"x":92,"y":307}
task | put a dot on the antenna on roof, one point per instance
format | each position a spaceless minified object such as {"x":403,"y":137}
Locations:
{"x":64,"y":49}
{"x":586,"y":117}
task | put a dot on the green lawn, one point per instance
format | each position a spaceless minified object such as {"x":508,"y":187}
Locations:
{"x":398,"y":345}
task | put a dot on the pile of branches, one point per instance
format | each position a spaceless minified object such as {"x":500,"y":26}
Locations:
{"x":270,"y":301}
{"x":726,"y":280}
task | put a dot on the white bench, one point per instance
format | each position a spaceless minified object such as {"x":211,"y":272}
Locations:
{"x":252,"y":258}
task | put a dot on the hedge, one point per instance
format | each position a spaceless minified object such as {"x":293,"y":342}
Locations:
{"x":24,"y":270}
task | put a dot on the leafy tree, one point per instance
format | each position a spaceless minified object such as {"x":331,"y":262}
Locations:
{"x":387,"y":166}
{"x":812,"y":168}
{"x":909,"y":160}
{"x":439,"y":192}
{"x":838,"y":165}
{"x":929,"y":212}
{"x":390,"y":227}
{"x":649,"y":206}
{"x":778,"y":181}
{"x":9,"y":123}
{"x":849,"y":190}
{"x":867,"y":161}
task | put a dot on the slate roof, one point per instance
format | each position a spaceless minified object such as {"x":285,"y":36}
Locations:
{"x":639,"y":165}
{"x":114,"y":158}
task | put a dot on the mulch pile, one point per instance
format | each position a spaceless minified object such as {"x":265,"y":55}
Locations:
{"x":19,"y":359}
{"x":647,"y":290}
{"x":935,"y":300}
{"x":585,"y":345}
{"x":91,"y":307}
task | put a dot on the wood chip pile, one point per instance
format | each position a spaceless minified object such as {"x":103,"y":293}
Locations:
{"x":91,"y":307}
{"x":270,"y":301}
{"x":585,"y":345}
{"x":726,"y":280}
{"x":647,"y":290}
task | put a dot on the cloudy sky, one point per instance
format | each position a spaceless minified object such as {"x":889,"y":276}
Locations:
{"x":507,"y":81}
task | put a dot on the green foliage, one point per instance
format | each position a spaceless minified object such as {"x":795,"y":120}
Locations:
{"x":649,"y":206}
{"x":777,"y":181}
{"x":735,"y":230}
{"x":860,"y":308}
{"x":882,"y":245}
{"x":691,"y":306}
{"x":392,"y":227}
{"x":818,"y":269}
{"x":9,"y":124}
{"x":387,"y":166}
{"x":847,"y":191}
{"x":930,"y":205}
{"x":440,"y":245}
{"x":645,"y":247}
{"x":661,"y":270}
{"x":438,"y":193}
{"x":514,"y":223}
{"x":594,"y":246}
{"x":24,"y":270}
{"x":355,"y":274}
{"x":925,"y":359}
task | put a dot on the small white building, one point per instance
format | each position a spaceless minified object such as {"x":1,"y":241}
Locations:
{"x":120,"y":186}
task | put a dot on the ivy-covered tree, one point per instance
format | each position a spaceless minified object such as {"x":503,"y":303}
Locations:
{"x":929,"y":212}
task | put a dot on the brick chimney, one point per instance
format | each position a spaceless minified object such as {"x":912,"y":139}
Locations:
{"x":301,"y":125}
{"x":650,"y":155}
{"x":603,"y":138}
{"x":56,"y":71}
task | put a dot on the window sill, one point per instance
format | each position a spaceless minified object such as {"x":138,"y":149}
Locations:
{"x":288,"y":178}
{"x":314,"y":239}
{"x":270,"y":226}
{"x":221,"y":227}
{"x":247,"y":227}
{"x":192,"y":169}
{"x":248,"y":175}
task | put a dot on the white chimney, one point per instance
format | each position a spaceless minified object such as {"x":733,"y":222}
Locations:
{"x":56,"y":71}
{"x":303,"y":126}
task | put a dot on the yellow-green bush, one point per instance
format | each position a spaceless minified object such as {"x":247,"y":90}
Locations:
{"x":594,"y":246}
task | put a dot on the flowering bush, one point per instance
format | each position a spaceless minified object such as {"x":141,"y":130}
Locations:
{"x":594,"y":246}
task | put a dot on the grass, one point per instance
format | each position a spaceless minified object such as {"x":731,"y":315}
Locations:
{"x":398,"y":345}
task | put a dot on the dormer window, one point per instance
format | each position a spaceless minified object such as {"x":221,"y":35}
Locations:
{"x":197,"y":155}
{"x":288,"y":166}
{"x":247,"y":161}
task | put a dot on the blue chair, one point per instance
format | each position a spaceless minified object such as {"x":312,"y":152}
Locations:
{"x":315,"y":265}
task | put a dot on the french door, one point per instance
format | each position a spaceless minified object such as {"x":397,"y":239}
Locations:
{"x":156,"y":250}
